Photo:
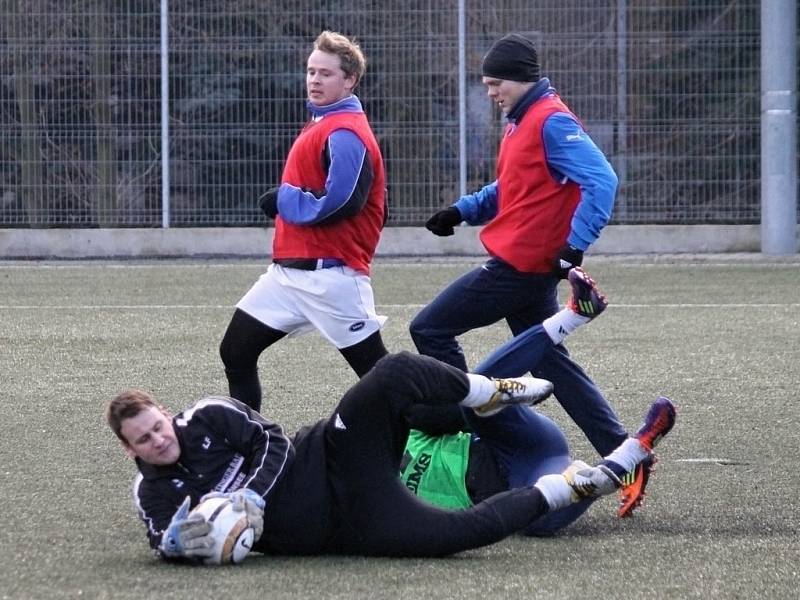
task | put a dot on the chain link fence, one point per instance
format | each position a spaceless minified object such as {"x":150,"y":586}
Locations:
{"x":668,"y":89}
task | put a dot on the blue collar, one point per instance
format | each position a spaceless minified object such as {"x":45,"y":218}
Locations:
{"x":539,"y":90}
{"x":349,"y":104}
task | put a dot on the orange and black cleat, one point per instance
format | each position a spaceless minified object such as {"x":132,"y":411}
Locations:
{"x":631,"y":494}
{"x":659,"y":421}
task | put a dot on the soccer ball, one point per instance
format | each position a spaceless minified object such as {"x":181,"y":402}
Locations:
{"x":233,"y":537}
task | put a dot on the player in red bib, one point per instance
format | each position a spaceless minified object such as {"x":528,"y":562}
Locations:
{"x":329,"y":211}
{"x":553,"y":195}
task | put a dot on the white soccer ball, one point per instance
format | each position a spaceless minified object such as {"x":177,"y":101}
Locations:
{"x":233,"y":537}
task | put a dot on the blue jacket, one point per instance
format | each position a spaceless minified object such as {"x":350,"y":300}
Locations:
{"x":349,"y":178}
{"x":571,"y":155}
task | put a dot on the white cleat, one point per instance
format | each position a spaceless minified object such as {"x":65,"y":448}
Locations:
{"x":590,"y":482}
{"x":515,"y":390}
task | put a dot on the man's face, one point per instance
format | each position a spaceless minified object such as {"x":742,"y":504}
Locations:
{"x":505,"y":92}
{"x":151,"y":437}
{"x":326,"y":83}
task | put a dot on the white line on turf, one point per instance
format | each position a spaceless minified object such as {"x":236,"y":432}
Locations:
{"x":716,"y":461}
{"x":382,"y":306}
{"x":391,"y":263}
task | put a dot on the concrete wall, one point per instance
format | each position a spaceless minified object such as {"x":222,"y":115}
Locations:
{"x":396,"y":241}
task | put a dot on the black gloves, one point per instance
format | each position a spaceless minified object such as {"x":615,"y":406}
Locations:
{"x":269,"y":202}
{"x":566,"y":258}
{"x":442,"y":222}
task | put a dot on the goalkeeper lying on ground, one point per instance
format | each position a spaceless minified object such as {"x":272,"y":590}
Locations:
{"x":333,"y":487}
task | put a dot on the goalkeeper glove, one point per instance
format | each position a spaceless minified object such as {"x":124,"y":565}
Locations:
{"x":442,"y":222}
{"x":187,"y":535}
{"x":250,"y":502}
{"x":253,"y":505}
{"x":568,"y":257}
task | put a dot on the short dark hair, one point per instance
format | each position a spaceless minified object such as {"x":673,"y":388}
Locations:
{"x":349,"y":52}
{"x":127,"y":405}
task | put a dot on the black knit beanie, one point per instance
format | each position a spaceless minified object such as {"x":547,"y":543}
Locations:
{"x":512,"y":57}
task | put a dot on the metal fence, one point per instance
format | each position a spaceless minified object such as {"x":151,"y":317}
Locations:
{"x":668,"y":89}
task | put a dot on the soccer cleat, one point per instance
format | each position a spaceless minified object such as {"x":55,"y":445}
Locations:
{"x":516,"y":390}
{"x":659,"y":421}
{"x":586,"y":299}
{"x":590,"y":482}
{"x":631,"y":494}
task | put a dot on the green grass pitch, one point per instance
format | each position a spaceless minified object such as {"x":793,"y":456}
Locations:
{"x":720,"y":335}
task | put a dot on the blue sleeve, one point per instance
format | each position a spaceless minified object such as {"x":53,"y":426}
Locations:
{"x":480,"y":207}
{"x":346,"y":187}
{"x":572,"y":155}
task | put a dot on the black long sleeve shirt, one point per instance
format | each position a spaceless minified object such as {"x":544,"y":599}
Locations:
{"x":225,"y":446}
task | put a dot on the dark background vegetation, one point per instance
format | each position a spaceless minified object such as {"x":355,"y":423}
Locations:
{"x":668,"y":89}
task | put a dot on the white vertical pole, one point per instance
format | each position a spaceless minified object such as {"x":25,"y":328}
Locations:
{"x":621,"y":163}
{"x":778,"y":127}
{"x":165,"y":113}
{"x":462,"y":98}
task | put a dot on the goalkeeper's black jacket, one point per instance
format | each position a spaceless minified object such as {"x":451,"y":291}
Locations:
{"x":226,"y":446}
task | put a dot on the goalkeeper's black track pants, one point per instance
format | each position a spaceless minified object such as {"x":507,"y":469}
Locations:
{"x":374,"y":514}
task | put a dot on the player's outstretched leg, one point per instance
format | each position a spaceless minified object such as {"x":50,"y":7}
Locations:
{"x":658,"y":422}
{"x":489,"y":396}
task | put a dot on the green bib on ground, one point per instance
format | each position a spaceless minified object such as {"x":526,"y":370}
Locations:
{"x":437,"y":469}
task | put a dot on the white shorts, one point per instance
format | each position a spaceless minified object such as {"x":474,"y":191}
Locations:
{"x":338,"y":302}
